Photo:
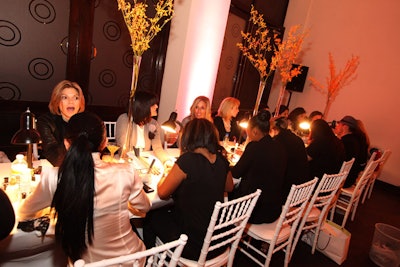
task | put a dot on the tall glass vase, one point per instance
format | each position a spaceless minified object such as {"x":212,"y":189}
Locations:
{"x":261,"y":87}
{"x":280,"y":99}
{"x":135,"y":76}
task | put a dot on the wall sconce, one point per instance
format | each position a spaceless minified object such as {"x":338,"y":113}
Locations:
{"x":27,"y":134}
{"x":170,"y":126}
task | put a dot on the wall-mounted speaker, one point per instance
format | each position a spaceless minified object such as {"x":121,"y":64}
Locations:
{"x":297,"y":83}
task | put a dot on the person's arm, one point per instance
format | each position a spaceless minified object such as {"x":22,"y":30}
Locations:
{"x":157,"y":145}
{"x":120,"y":129}
{"x":52,"y":148}
{"x":41,"y":197}
{"x":229,"y":182}
{"x":245,"y":161}
{"x":170,"y":183}
{"x":138,"y":200}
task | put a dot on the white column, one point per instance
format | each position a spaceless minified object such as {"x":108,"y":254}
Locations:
{"x":193,"y":54}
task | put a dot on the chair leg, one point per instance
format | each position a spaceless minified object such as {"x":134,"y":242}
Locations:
{"x":364,"y":194}
{"x":370,"y":188}
{"x":316,"y":236}
{"x":346,"y":215}
{"x":332,"y":212}
{"x":354,"y":209}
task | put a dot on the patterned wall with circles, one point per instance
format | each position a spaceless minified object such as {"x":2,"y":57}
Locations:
{"x":34,"y":45}
{"x":30,"y":47}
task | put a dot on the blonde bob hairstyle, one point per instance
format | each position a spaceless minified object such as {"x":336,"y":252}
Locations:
{"x":196,"y":101}
{"x":57,"y":93}
{"x":227,"y":105}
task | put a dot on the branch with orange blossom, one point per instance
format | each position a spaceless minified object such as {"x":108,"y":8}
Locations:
{"x":336,"y":81}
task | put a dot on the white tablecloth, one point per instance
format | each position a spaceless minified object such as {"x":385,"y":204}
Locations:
{"x":28,"y":248}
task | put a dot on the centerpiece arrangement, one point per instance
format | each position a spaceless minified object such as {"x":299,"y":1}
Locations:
{"x":336,"y":81}
{"x":267,"y":52}
{"x":142,"y":30}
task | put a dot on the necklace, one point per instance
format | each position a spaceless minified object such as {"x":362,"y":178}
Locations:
{"x":227,"y":125}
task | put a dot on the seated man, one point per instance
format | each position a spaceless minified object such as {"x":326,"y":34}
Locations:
{"x":355,"y":145}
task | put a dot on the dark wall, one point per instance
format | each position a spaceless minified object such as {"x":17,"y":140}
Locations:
{"x":237,"y":77}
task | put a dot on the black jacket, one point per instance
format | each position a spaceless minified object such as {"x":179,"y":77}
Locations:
{"x":52,"y":128}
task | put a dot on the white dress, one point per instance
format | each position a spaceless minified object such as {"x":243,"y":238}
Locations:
{"x":118,"y":189}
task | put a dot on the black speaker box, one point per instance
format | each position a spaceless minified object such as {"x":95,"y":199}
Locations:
{"x":297,"y":83}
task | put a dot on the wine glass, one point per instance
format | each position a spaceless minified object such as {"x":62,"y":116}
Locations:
{"x":112,"y":147}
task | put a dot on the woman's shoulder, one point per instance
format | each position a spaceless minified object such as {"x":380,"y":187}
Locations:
{"x":123,"y":116}
{"x":48,"y":117}
{"x":217,"y":119}
{"x":185,"y":120}
{"x":122,"y":119}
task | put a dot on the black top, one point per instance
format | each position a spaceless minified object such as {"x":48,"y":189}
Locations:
{"x":233,"y":134}
{"x":297,"y":163}
{"x":354,"y":148}
{"x":327,"y":157}
{"x":7,"y":220}
{"x":52,"y":128}
{"x":262,"y":166}
{"x":196,"y":196}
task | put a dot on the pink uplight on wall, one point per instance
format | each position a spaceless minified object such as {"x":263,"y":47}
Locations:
{"x":202,"y":53}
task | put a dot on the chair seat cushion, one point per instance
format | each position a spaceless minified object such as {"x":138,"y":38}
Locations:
{"x":348,"y":191}
{"x":265,"y":231}
{"x":314,"y":214}
{"x":217,"y":261}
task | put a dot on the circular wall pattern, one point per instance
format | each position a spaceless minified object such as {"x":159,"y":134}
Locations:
{"x":235,"y":30}
{"x":64,"y":45}
{"x":128,"y":58}
{"x":107,"y":78}
{"x":9,"y":91}
{"x":10,"y":35}
{"x":42,"y":11}
{"x":111,"y":30}
{"x":40,"y":68}
{"x":229,"y":62}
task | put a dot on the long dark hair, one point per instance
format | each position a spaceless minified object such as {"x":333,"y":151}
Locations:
{"x":141,"y":106}
{"x":200,"y":133}
{"x":74,"y":197}
{"x":320,"y":130}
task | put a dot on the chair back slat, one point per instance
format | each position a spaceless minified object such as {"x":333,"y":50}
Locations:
{"x":349,"y":197}
{"x":321,"y":200}
{"x":371,"y":182}
{"x":227,"y":224}
{"x":155,"y":257}
{"x":111,"y":127}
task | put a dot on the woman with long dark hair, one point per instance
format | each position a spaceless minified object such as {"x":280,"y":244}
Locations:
{"x":198,"y":179}
{"x":91,"y":198}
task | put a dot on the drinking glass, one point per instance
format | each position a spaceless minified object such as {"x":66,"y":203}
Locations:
{"x":112,"y":147}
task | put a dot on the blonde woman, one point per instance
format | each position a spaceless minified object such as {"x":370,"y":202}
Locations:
{"x":67,"y":99}
{"x":225,"y":121}
{"x":200,"y":109}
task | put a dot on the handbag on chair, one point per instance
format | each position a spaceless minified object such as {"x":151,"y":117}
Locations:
{"x":333,"y":241}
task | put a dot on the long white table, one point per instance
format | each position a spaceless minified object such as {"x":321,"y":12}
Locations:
{"x":21,"y":248}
